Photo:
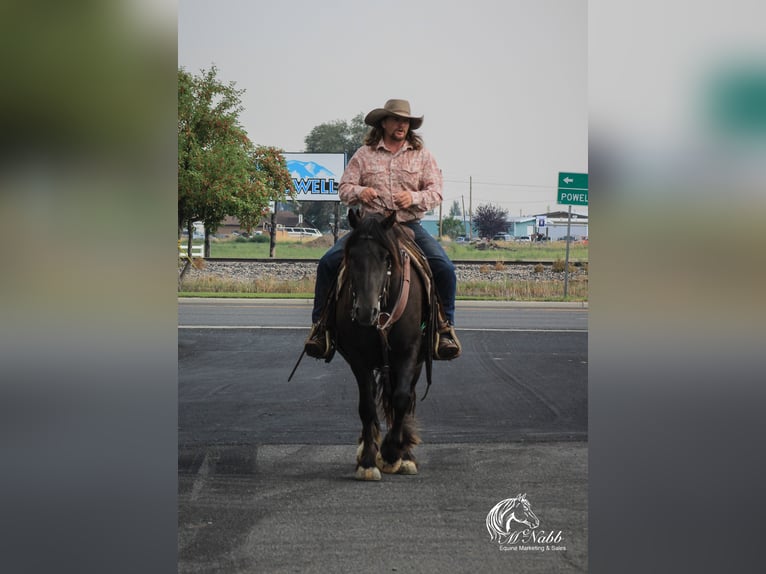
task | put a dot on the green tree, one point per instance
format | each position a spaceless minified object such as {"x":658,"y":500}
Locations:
{"x":489,"y":220}
{"x":271,"y":169}
{"x":454,"y":210}
{"x":453,"y":227}
{"x":218,"y":173}
{"x":338,"y":136}
{"x":268,"y":182}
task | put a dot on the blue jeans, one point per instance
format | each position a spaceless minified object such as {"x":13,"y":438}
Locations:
{"x":441,"y":267}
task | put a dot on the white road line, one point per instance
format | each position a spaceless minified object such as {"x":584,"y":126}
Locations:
{"x":459,"y":330}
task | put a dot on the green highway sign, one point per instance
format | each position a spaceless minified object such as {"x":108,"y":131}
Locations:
{"x":573,"y":188}
{"x":572,"y":197}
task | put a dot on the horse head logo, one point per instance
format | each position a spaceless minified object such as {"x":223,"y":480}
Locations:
{"x":507,"y":511}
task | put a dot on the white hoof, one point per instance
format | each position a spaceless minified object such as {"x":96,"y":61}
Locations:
{"x":367,"y":473}
{"x":408,"y":467}
{"x":388,"y":468}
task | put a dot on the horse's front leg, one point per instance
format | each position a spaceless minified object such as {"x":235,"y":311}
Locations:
{"x":410,"y":437}
{"x":370,"y":439}
{"x":395,"y":451}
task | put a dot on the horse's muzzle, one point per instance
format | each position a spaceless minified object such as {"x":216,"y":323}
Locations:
{"x":366,"y":317}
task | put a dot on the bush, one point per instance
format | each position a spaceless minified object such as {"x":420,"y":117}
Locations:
{"x":558,"y":266}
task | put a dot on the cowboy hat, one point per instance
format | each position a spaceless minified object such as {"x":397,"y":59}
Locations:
{"x":400,"y":108}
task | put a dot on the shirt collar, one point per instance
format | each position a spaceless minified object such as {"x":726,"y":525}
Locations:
{"x":381,"y":145}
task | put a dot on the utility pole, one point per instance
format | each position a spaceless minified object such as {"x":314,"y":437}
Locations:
{"x":566,"y":259}
{"x":470,"y":207}
{"x":440,"y":220}
{"x":462,"y":200}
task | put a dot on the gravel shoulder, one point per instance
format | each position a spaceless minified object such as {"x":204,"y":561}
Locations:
{"x":296,"y":270}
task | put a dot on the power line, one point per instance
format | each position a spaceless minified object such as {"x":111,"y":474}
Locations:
{"x":535,"y":201}
{"x":503,"y":184}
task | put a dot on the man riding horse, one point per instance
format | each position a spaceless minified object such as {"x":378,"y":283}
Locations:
{"x":393,"y":171}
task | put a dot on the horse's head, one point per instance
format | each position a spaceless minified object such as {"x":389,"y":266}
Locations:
{"x":522,"y":512}
{"x":371,"y":256}
{"x":505,"y":512}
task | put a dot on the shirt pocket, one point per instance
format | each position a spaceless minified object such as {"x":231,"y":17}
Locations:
{"x":376,"y":178}
{"x":407,"y":177}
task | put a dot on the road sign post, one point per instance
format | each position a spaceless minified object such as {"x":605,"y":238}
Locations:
{"x":572,"y":190}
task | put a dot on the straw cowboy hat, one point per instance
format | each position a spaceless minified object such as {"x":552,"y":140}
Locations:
{"x":399,"y":108}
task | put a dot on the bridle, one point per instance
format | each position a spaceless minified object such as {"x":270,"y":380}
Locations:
{"x":385,"y":288}
{"x":386,"y":320}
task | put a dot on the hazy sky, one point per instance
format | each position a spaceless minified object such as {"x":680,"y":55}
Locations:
{"x":502,"y":83}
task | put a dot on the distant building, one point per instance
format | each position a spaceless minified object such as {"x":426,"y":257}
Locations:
{"x":526,"y":226}
{"x":555,"y":225}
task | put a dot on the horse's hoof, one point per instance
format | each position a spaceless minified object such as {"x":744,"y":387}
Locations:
{"x":388,"y":467}
{"x":360,"y":451}
{"x":408,"y":467}
{"x":367,"y":473}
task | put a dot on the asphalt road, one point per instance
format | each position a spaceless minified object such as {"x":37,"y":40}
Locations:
{"x":266,"y":466}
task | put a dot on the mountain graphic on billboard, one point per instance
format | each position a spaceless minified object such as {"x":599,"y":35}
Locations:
{"x":308,"y":170}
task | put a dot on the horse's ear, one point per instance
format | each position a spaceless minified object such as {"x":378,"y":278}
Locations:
{"x":353,"y":218}
{"x":389,"y":221}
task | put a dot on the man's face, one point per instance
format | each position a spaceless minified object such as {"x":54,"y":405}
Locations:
{"x":395,"y":128}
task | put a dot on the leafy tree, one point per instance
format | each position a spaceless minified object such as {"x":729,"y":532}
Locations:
{"x":453,"y":227}
{"x":218,"y":166}
{"x":489,"y":220}
{"x":454,"y":210}
{"x":337,"y":136}
{"x":271,"y":169}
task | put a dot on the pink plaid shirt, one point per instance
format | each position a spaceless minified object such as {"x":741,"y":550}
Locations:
{"x":408,"y":169}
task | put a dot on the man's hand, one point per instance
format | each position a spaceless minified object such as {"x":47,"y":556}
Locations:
{"x":368,"y":195}
{"x":402,"y":199}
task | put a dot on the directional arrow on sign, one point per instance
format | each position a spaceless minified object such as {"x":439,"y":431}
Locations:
{"x":568,"y":180}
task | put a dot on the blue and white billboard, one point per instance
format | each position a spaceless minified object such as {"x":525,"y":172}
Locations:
{"x":316,"y":176}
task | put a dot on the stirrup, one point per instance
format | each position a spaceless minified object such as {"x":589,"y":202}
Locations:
{"x":317,"y":346}
{"x":449,"y":331}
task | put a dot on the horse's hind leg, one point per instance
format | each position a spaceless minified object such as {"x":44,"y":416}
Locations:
{"x":370,"y":439}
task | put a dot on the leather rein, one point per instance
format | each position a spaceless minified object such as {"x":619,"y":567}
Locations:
{"x":387,"y":320}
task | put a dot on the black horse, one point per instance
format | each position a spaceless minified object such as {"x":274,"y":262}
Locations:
{"x":382,"y":327}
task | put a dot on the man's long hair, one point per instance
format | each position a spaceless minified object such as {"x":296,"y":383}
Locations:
{"x":376,"y":134}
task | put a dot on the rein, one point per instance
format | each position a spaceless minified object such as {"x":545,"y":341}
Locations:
{"x":387,"y":320}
